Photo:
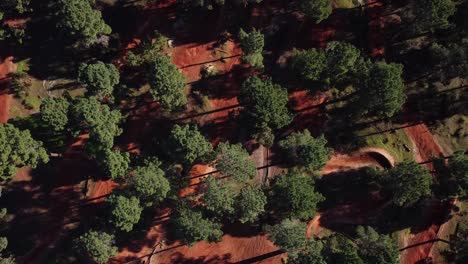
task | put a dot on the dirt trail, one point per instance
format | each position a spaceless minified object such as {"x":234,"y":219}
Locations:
{"x":425,"y":148}
{"x":6,"y":67}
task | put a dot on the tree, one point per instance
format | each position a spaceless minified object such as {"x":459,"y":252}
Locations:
{"x":187,"y":144}
{"x":408,"y":182}
{"x":193,"y":227}
{"x":376,"y":248}
{"x":458,"y":251}
{"x":305,"y":150}
{"x":149,"y":48}
{"x":54,"y":112}
{"x":101,"y":122}
{"x":233,"y":160}
{"x":100,"y":78}
{"x":18,"y":149}
{"x":432,"y":14}
{"x":4,"y":258}
{"x":454,"y":174}
{"x":78,"y":18}
{"x":252,"y":47}
{"x":125,"y":211}
{"x":16,"y":6}
{"x":265,"y":102}
{"x":295,"y":196}
{"x":115,"y":163}
{"x":318,"y":10}
{"x":97,"y":245}
{"x":308,"y":65}
{"x":289,"y":235}
{"x":218,"y":198}
{"x":341,"y":59}
{"x":249,"y":204}
{"x":313,"y":254}
{"x":340,"y":249}
{"x":382,"y":92}
{"x":167,"y":83}
{"x":149,"y":182}
{"x":265,"y":136}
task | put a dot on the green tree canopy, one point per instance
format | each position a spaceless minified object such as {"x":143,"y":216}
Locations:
{"x":125,"y":211}
{"x":18,"y":149}
{"x":249,"y":204}
{"x":289,"y":235}
{"x":97,"y":245}
{"x":54,"y":112}
{"x":305,"y":150}
{"x":167,"y":83}
{"x":252,"y":44}
{"x":408,"y":182}
{"x":341,"y":59}
{"x":382,"y":92}
{"x":100,"y":78}
{"x":432,"y":14}
{"x":233,"y":160}
{"x":77,"y":17}
{"x":454,"y":174}
{"x":318,"y":10}
{"x":115,"y":163}
{"x":294,"y":194}
{"x":376,"y":248}
{"x":193,"y":227}
{"x":149,"y":182}
{"x":149,"y":48}
{"x":218,"y":197}
{"x":312,"y":254}
{"x":187,"y":144}
{"x":265,"y":102}
{"x":308,"y":65}
{"x":101,"y":122}
{"x":340,"y":249}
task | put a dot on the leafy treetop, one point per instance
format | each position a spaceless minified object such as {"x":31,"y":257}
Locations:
{"x":125,"y":211}
{"x":252,"y":44}
{"x":187,"y":144}
{"x":318,"y":10}
{"x":54,"y":112}
{"x":233,"y":160}
{"x":100,"y":78}
{"x":97,"y":245}
{"x":193,"y":227}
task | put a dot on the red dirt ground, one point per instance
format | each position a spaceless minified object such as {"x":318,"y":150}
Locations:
{"x":425,"y":147}
{"x":7,"y":66}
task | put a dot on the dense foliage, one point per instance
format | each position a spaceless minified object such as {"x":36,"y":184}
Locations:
{"x":376,"y":248}
{"x":265,"y":102}
{"x":115,"y":163}
{"x":100,"y":78}
{"x":193,"y":227}
{"x":97,"y":245}
{"x":54,"y":112}
{"x":304,"y":150}
{"x":167,"y":83}
{"x":18,"y":149}
{"x":294,"y":195}
{"x":125,"y":211}
{"x":308,"y":65}
{"x":252,"y":44}
{"x":288,"y":235}
{"x":149,"y":182}
{"x":186,"y":144}
{"x":249,"y":204}
{"x":233,"y":160}
{"x":318,"y":10}
{"x":218,"y":198}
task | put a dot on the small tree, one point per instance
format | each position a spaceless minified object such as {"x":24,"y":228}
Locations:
{"x":97,"y":245}
{"x":18,"y":149}
{"x":265,"y":102}
{"x":187,"y":144}
{"x":252,"y":47}
{"x":408,"y":182}
{"x":308,"y":65}
{"x":78,"y":18}
{"x":115,"y":163}
{"x":149,"y":182}
{"x":305,"y":150}
{"x":233,"y":160}
{"x":250,"y":203}
{"x":295,"y":196}
{"x":167,"y":83}
{"x":193,"y":227}
{"x":341,"y":59}
{"x":318,"y":10}
{"x":125,"y":211}
{"x":54,"y":112}
{"x":312,"y":254}
{"x":340,"y":249}
{"x":454,"y":174}
{"x":218,"y":198}
{"x":376,"y":248}
{"x":382,"y":92}
{"x":101,"y":122}
{"x":432,"y":14}
{"x":289,"y":235}
{"x":100,"y":78}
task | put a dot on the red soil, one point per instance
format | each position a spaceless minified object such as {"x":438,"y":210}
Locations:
{"x":6,"y":67}
{"x":426,"y":145}
{"x":254,"y":249}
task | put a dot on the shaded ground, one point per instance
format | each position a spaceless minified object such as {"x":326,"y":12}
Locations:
{"x":6,"y":66}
